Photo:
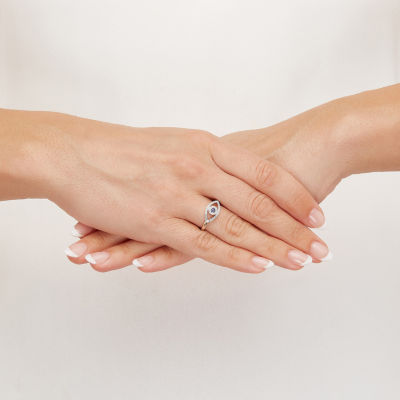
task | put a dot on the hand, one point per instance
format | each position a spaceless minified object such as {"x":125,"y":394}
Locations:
{"x":309,"y":146}
{"x":305,"y":145}
{"x":152,"y":185}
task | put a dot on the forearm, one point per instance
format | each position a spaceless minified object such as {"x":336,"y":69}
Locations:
{"x":371,"y":130}
{"x":30,"y":144}
{"x":321,"y":146}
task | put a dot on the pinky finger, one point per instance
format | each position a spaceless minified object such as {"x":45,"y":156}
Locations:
{"x":119,"y":255}
{"x":161,"y":259}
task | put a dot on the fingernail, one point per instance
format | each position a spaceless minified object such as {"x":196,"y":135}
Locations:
{"x":328,"y":257}
{"x":80,"y":230}
{"x":323,"y":226}
{"x":76,"y":249}
{"x":76,"y":233}
{"x":299,"y":258}
{"x":262,"y":263}
{"x":97,"y":258}
{"x":143,"y":261}
{"x":316,"y":218}
{"x":319,"y":250}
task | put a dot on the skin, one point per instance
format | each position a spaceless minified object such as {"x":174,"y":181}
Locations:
{"x":148,"y":184}
{"x":320,"y":147}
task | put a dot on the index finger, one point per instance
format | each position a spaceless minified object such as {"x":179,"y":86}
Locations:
{"x":270,"y":179}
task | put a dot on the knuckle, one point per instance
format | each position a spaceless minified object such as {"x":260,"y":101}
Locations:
{"x":168,"y":190}
{"x":100,"y":239}
{"x":234,"y":255}
{"x":201,"y":139}
{"x":265,"y":173}
{"x":126,"y":251}
{"x":296,"y":198}
{"x":206,"y":242}
{"x":260,"y":205}
{"x":235,"y":226}
{"x":298,"y":232}
{"x":201,"y":136}
{"x":300,"y":199}
{"x":154,"y":217}
{"x":267,"y":247}
{"x":168,"y":253}
{"x":187,"y":167}
{"x":168,"y":224}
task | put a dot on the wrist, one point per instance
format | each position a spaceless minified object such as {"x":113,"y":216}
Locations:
{"x":31,"y":143}
{"x":369,"y":134}
{"x":340,"y":144}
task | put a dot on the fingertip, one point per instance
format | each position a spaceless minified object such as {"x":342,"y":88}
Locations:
{"x":137,"y":263}
{"x":89,"y":258}
{"x":144,"y":261}
{"x":316,"y":218}
{"x":76,"y":233}
{"x":146,"y":270}
{"x":77,"y":261}
{"x":256,"y":272}
{"x":98,"y":268}
{"x":80,"y":230}
{"x":323,"y":226}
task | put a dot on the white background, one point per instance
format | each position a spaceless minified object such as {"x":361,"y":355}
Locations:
{"x":330,"y":331}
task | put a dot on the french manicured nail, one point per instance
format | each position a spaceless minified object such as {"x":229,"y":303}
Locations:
{"x":328,"y":257}
{"x":316,"y":218}
{"x":262,"y":263}
{"x":323,"y":226}
{"x":299,"y":258}
{"x":76,"y":249}
{"x":143,"y":261}
{"x":80,"y":230}
{"x":97,"y":258}
{"x":76,"y":233}
{"x":319,"y":251}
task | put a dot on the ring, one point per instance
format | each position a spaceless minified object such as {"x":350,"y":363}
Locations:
{"x":211,"y":212}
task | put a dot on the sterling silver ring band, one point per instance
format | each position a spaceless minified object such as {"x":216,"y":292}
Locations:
{"x":211,"y":212}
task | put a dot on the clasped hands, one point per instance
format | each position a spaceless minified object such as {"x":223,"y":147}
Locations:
{"x":142,"y":193}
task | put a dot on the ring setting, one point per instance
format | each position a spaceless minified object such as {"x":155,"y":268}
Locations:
{"x":211,"y":212}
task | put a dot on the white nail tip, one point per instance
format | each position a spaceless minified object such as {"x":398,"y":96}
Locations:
{"x":308,"y":261}
{"x":76,"y":233}
{"x":70,"y":253}
{"x":90,"y":259}
{"x":323,"y":226}
{"x":137,"y":263}
{"x":269,"y":265}
{"x":328,"y":257}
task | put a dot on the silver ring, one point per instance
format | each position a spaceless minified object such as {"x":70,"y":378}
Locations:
{"x":211,"y":212}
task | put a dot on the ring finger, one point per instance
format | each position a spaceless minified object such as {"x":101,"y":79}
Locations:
{"x":264,"y":213}
{"x":239,"y":233}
